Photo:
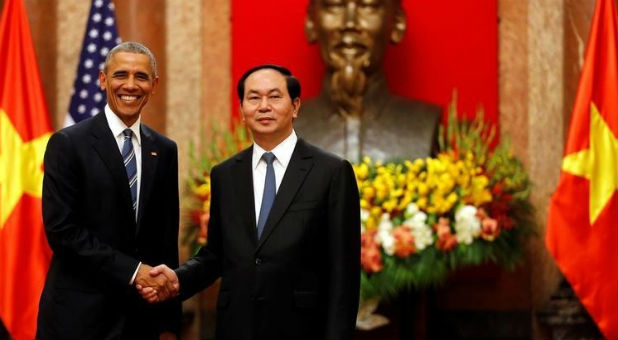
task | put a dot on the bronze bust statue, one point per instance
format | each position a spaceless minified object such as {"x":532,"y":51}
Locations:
{"x":356,"y":115}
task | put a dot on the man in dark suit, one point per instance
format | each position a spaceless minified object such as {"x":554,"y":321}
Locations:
{"x":284,"y":230}
{"x":110,"y":208}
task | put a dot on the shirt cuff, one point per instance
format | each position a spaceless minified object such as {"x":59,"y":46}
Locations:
{"x":135,"y":274}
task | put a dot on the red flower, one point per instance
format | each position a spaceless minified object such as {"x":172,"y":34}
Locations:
{"x":489,"y":229}
{"x":446,"y":240}
{"x":404,"y":242}
{"x":371,"y":257}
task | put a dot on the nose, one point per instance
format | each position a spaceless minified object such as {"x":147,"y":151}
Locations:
{"x":264,"y":106}
{"x":130,"y":84}
{"x":351,"y":15}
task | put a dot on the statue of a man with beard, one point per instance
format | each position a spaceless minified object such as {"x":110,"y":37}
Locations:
{"x":356,"y":115}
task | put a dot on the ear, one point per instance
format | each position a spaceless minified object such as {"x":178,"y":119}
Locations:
{"x":155,"y":82}
{"x":296,"y":105}
{"x":102,"y":80}
{"x":242,"y":113}
{"x":399,"y":27}
{"x":312,"y":35}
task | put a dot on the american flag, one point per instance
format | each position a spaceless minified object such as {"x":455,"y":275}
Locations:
{"x":87,"y":99}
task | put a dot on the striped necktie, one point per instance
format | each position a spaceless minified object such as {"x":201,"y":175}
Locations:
{"x":128,"y":155}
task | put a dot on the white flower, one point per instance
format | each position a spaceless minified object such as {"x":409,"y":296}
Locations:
{"x":385,"y":222}
{"x":385,"y":236}
{"x":423,"y":236}
{"x":364,"y":215}
{"x":467,"y":225}
{"x":411,"y":209}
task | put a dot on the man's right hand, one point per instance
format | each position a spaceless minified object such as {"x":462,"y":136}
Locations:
{"x":157,"y":284}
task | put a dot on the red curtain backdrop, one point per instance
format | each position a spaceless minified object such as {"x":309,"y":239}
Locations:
{"x":449,"y":44}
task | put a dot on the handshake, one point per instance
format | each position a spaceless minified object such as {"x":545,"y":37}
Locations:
{"x":156,"y":284}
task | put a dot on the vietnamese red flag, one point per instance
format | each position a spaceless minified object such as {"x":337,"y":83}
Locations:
{"x":24,"y":131}
{"x":582,"y":230}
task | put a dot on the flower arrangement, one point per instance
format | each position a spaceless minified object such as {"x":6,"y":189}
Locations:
{"x":422,"y":218}
{"x":221,"y":145}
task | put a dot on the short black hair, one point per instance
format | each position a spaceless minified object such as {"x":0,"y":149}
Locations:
{"x":292,"y":83}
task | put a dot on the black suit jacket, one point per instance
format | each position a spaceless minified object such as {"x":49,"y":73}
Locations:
{"x":301,"y":279}
{"x":97,"y":244}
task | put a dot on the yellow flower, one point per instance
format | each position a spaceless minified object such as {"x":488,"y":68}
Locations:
{"x":407,"y":198}
{"x":389,"y":205}
{"x":368,"y":192}
{"x":422,"y":189}
{"x":421,"y":202}
{"x":397,"y":193}
{"x":203,"y":189}
{"x":364,"y":204}
{"x":371,"y":223}
{"x":362,"y":171}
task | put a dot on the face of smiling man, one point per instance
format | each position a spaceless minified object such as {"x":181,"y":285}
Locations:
{"x":129,"y":81}
{"x":267,"y":108}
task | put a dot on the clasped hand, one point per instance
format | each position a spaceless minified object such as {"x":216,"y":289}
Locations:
{"x":156,"y":284}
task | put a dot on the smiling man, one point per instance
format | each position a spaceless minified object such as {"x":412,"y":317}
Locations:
{"x":110,"y":208}
{"x":284,"y":227}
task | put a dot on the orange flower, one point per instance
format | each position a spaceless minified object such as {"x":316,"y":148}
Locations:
{"x":446,"y":240}
{"x":489,"y":229}
{"x":489,"y":226}
{"x":404,"y":242}
{"x":371,"y":257}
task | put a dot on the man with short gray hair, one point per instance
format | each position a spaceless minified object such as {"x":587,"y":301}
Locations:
{"x":110,"y":208}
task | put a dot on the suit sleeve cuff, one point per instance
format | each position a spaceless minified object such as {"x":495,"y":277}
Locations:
{"x":134,"y":274}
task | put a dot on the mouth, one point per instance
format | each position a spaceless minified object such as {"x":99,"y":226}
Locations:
{"x":129,"y":99}
{"x":351,"y":50}
{"x":265,"y":120}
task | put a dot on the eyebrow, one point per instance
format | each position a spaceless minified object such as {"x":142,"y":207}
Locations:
{"x":269,"y":91}
{"x":123,"y":72}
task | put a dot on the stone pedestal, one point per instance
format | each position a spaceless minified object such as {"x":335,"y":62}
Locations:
{"x":564,"y":317}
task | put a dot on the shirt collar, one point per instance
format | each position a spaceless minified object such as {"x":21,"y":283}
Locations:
{"x":117,"y":125}
{"x":283,"y":151}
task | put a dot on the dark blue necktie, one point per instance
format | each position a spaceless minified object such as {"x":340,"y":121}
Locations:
{"x":270,"y":190}
{"x":128,"y":155}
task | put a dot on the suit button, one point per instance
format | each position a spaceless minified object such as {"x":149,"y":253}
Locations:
{"x":258,"y":261}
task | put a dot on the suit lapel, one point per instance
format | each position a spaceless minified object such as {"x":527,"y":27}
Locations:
{"x":149,"y":166}
{"x":107,"y":148}
{"x":298,"y":168}
{"x":243,"y":186}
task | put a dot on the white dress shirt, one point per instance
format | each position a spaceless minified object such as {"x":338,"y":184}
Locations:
{"x":117,"y":126}
{"x":283,"y":153}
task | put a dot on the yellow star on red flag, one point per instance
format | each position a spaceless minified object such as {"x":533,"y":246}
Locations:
{"x":598,"y":164}
{"x":21,"y":169}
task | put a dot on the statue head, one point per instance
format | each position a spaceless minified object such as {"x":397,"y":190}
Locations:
{"x":353,"y":36}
